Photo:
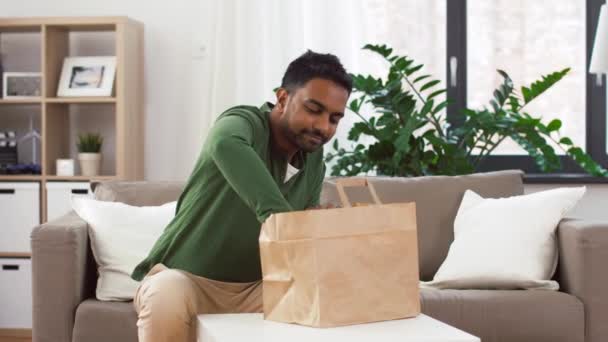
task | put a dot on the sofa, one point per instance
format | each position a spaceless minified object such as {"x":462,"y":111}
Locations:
{"x":64,"y":271}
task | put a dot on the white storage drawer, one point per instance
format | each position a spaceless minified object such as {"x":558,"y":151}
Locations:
{"x":19,"y":214}
{"x":59,"y":196}
{"x":15,"y":293}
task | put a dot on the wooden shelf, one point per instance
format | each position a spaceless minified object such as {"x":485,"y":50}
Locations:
{"x":84,"y":27}
{"x":119,"y":118}
{"x":20,"y":177}
{"x":20,"y":27}
{"x":79,"y":178}
{"x":70,"y":21}
{"x":36,"y":100}
{"x":80,"y":100}
{"x":55,"y":178}
{"x":15,"y":255}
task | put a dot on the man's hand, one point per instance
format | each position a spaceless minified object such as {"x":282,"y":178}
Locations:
{"x":323,"y":206}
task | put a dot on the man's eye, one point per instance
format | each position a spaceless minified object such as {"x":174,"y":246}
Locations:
{"x":312,"y":110}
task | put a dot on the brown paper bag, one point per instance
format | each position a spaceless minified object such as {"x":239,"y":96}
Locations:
{"x":334,"y":267}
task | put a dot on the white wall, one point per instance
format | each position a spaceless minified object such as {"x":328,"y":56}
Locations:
{"x":175,"y":87}
{"x":593,"y":206}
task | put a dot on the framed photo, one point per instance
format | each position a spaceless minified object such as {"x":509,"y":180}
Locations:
{"x":87,"y":76}
{"x":19,"y":85}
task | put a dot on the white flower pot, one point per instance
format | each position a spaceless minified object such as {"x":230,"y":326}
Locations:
{"x":90,"y":163}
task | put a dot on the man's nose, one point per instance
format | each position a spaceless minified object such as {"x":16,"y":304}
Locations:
{"x":322,"y":126}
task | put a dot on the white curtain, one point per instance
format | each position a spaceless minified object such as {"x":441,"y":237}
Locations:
{"x":251,"y":42}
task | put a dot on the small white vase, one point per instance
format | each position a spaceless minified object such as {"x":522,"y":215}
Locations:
{"x":90,"y":163}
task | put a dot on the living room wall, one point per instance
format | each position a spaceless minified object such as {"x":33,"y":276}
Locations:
{"x":175,"y":74}
{"x":177,"y":83}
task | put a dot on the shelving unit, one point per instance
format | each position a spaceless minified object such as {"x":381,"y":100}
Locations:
{"x":20,"y":101}
{"x":77,"y":100}
{"x":40,"y":45}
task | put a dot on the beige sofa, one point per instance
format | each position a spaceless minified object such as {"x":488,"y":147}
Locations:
{"x":64,"y":271}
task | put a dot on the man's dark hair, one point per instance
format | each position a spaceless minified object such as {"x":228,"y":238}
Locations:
{"x":315,"y":65}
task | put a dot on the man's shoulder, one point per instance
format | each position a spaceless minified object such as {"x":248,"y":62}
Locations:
{"x":243,"y":108}
{"x":250,"y":113}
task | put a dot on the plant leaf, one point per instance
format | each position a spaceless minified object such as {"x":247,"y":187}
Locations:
{"x":429,"y":85}
{"x":402,"y":63}
{"x":355,"y":105}
{"x":402,"y":142}
{"x":436,"y":93}
{"x":441,"y":106}
{"x":540,"y":86}
{"x":418,"y":79}
{"x":426,"y":108}
{"x":412,"y":70}
{"x":554,"y":125}
{"x":383,"y":50}
{"x":514,"y":103}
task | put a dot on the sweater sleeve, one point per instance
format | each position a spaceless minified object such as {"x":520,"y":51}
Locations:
{"x":231,"y":148}
{"x":316,"y":193}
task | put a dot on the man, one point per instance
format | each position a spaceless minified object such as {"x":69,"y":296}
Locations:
{"x":255,"y":162}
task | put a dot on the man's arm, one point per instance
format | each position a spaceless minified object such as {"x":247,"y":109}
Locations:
{"x":230,"y":146}
{"x":316,"y":193}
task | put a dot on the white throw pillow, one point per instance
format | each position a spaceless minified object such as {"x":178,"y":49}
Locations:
{"x":121,"y":237}
{"x":505,"y":243}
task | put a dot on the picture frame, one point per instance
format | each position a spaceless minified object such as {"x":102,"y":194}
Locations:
{"x":21,"y":85}
{"x":87,"y":76}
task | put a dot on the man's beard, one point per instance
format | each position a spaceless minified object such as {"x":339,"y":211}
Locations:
{"x":306,"y":140}
{"x":310,"y":141}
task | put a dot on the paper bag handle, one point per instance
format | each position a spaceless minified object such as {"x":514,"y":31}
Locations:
{"x":354,"y":182}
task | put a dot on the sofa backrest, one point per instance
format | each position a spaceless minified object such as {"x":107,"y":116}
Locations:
{"x":437,"y":201}
{"x":138,"y":193}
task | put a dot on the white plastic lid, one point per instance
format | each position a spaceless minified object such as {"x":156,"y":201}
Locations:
{"x":68,"y":185}
{"x":19,"y":185}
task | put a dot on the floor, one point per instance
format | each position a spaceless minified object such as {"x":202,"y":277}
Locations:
{"x":15,"y":335}
{"x":15,"y":339}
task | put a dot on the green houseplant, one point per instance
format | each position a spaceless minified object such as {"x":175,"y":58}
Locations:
{"x":411,"y":137}
{"x":89,"y":153}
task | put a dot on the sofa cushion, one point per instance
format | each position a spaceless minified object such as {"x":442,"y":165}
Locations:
{"x":121,"y":236}
{"x":437,"y":201}
{"x":507,"y":316}
{"x":138,"y":193}
{"x":506,"y":243}
{"x":98,"y":321}
{"x":494,"y":316}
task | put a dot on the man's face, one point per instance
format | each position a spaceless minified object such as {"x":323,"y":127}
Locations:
{"x":311,"y":113}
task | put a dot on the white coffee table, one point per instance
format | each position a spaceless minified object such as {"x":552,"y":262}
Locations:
{"x":253,"y":328}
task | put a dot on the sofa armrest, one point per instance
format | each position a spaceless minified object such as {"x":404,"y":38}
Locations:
{"x":59,"y":261}
{"x":583,"y":252}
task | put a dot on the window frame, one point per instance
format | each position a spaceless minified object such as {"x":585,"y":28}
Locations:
{"x":595,"y":98}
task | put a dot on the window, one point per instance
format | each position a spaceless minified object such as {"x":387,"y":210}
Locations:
{"x":528,"y":39}
{"x":411,"y":27}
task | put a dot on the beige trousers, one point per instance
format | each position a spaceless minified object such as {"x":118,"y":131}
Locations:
{"x":168,"y":300}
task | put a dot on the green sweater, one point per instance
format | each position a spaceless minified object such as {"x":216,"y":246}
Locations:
{"x":238,"y":181}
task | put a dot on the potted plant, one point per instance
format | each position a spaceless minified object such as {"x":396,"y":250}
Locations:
{"x":409,"y":136}
{"x":89,"y":156}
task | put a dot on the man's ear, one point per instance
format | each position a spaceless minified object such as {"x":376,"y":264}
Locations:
{"x":282,"y":96}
